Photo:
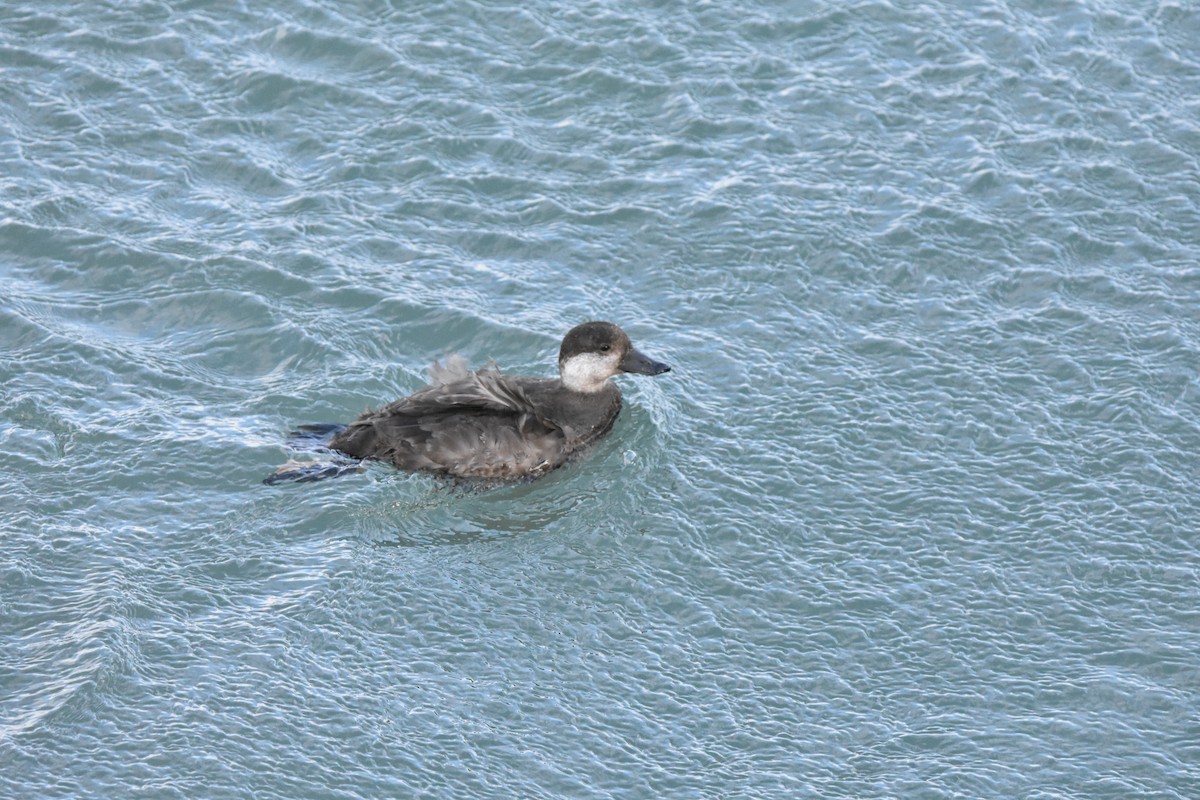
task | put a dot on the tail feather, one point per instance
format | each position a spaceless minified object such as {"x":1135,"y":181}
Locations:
{"x":317,"y":433}
{"x":314,"y":438}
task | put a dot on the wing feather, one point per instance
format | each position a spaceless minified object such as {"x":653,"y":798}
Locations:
{"x":408,"y":430}
{"x":454,"y":388}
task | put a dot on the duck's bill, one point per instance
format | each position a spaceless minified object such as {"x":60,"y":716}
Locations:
{"x":642,"y":364}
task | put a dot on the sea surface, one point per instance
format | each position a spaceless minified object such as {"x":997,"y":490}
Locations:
{"x":915,"y":515}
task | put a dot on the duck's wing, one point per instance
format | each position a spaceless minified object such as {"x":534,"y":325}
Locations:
{"x":454,"y":388}
{"x":446,"y":426}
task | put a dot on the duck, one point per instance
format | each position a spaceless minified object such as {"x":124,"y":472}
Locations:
{"x":487,"y":424}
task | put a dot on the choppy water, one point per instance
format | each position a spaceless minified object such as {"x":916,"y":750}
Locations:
{"x":914,"y":516}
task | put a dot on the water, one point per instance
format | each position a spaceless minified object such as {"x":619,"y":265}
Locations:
{"x":914,"y":516}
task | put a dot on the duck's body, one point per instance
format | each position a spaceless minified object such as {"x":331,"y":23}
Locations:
{"x":485,"y":424}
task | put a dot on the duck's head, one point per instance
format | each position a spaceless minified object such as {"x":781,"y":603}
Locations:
{"x":593,"y":352}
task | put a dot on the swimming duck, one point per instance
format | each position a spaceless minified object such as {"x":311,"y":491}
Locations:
{"x":485,"y":424}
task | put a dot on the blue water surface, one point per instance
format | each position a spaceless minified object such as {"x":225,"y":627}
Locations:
{"x":915,"y":515}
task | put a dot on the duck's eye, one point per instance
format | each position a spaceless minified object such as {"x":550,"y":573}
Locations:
{"x":604,"y":348}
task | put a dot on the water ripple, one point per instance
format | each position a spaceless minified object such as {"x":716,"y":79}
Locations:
{"x":912,"y":514}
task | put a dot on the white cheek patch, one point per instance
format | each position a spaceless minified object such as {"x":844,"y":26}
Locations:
{"x":588,"y":372}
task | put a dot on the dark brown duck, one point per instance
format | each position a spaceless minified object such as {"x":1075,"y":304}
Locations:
{"x":485,"y":424}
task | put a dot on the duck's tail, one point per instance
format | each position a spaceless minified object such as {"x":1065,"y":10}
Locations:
{"x":314,"y":436}
{"x":314,"y":439}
